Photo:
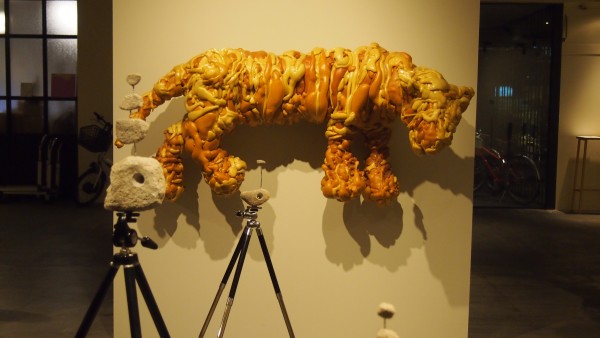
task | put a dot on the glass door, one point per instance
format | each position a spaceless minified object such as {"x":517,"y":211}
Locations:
{"x":517,"y":105}
{"x":38,"y":97}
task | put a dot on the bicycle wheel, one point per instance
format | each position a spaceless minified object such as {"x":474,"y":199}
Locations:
{"x":479,"y":174}
{"x":523,"y":179}
{"x":495,"y":181}
{"x":90,"y":186}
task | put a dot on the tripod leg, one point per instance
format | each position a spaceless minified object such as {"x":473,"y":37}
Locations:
{"x":132,"y":304}
{"x":265,"y":251}
{"x":97,"y":301}
{"x":234,"y":258}
{"x":236,"y":278}
{"x":151,"y":302}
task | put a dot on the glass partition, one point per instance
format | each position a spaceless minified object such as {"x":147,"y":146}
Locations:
{"x":3,"y":122}
{"x":62,"y":67}
{"x":519,"y":69}
{"x":26,"y":64}
{"x":27,"y":117}
{"x":38,"y":85}
{"x":2,"y":67}
{"x":61,"y":17}
{"x":2,"y":18}
{"x":25,"y":17}
{"x":61,"y":117}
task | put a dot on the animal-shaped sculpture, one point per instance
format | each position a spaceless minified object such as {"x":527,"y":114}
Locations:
{"x":361,"y":91}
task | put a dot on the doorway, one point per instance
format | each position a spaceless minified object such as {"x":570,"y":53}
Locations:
{"x":517,"y":106}
{"x":38,"y":96}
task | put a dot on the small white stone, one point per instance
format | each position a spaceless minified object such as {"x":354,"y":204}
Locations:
{"x":131,"y":102}
{"x":386,"y":310}
{"x":385,"y":333}
{"x":131,"y":130}
{"x":136,"y":183}
{"x":133,"y":79}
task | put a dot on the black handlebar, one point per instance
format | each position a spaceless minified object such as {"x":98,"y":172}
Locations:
{"x":101,"y":119}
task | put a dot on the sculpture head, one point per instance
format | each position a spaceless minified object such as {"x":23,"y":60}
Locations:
{"x":433,"y":111}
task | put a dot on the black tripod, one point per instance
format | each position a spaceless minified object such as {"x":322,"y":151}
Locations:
{"x":239,"y":254}
{"x":125,"y":238}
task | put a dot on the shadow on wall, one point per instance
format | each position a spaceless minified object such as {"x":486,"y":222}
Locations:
{"x":365,"y":220}
{"x":279,"y":146}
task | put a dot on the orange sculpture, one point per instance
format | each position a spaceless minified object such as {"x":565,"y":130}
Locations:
{"x":361,"y":91}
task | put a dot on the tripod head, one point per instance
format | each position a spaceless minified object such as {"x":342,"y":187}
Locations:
{"x":254,"y":198}
{"x":251,"y":214}
{"x":125,"y":237}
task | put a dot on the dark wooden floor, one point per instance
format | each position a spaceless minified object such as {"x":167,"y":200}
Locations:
{"x":53,"y":257}
{"x":535,"y":273}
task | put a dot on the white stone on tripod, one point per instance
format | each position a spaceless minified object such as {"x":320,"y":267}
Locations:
{"x":133,"y":79}
{"x":131,"y":102}
{"x":386,"y":333}
{"x":255,"y":197}
{"x":137,"y":183}
{"x":131,"y":130}
{"x":386,"y":310}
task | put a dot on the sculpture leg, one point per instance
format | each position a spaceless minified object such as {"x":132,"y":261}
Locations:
{"x":382,"y":184}
{"x":169,"y":156}
{"x":343,"y":179}
{"x":223,"y":173}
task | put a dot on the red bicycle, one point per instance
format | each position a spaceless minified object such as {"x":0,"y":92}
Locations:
{"x":517,"y":175}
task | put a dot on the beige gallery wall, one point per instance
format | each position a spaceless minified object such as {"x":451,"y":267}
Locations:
{"x":335,"y":262}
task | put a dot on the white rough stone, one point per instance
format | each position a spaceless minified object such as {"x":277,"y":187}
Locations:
{"x":386,"y":333}
{"x":131,"y":130}
{"x":131,"y":102}
{"x":386,"y":310}
{"x":137,"y":183}
{"x":255,"y":197}
{"x":133,"y":79}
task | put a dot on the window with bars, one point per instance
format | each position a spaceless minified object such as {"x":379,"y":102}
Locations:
{"x":38,"y":81}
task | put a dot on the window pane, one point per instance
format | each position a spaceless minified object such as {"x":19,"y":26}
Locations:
{"x":62,"y":17}
{"x":62,"y":67}
{"x":61,"y":117}
{"x":2,"y":18}
{"x":2,"y":68}
{"x":27,"y":117}
{"x":25,"y":17}
{"x":3,"y":127}
{"x":26,"y":67}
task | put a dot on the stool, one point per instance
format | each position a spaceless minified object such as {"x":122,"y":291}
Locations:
{"x":579,"y":188}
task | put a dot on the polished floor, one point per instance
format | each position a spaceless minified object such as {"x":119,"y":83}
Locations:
{"x":53,"y":256}
{"x":535,"y":273}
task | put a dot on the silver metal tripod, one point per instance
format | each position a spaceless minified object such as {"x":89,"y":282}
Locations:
{"x":251,"y":215}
